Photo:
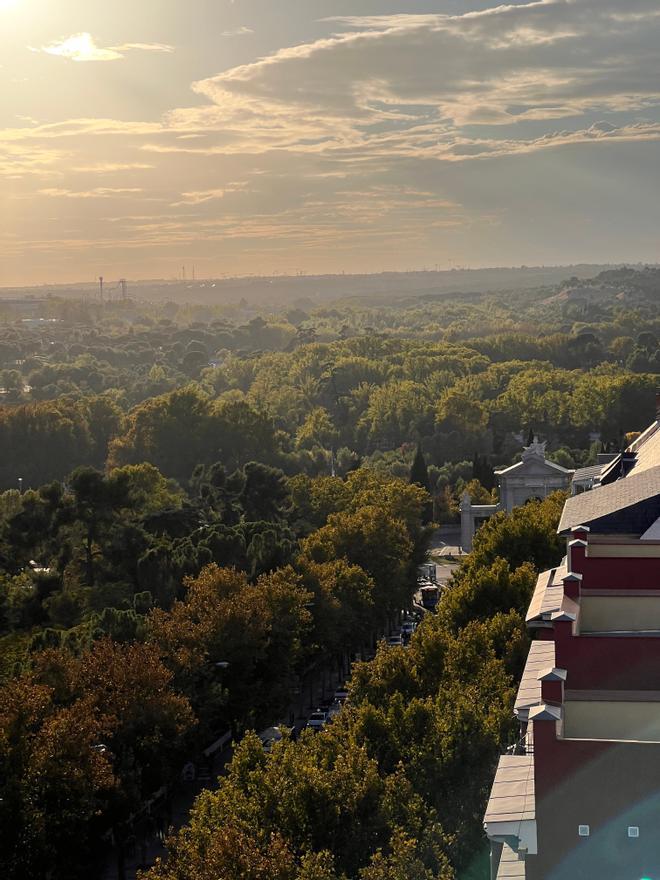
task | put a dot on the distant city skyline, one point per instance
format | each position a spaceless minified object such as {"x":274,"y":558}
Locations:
{"x":325,"y":136}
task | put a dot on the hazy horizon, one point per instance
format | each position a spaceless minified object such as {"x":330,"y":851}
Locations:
{"x":586,"y":271}
{"x":325,"y":136}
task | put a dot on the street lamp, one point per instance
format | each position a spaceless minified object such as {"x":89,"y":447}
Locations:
{"x":20,"y":485}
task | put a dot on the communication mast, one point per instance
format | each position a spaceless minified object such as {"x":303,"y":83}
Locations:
{"x":101,"y":288}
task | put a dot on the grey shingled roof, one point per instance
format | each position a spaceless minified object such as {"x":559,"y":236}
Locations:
{"x":647,"y":449}
{"x":587,"y":473}
{"x":628,"y":504}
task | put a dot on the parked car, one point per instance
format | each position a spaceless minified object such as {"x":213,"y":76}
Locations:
{"x":317,"y":720}
{"x":334,"y":710}
{"x":270,"y":736}
{"x":341,"y":694}
{"x":394,"y":641}
{"x":408,"y":627}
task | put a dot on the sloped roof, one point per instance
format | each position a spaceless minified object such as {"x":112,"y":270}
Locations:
{"x":548,"y":593}
{"x":646,"y":449}
{"x":511,"y":866}
{"x":512,"y":797}
{"x":541,"y":657}
{"x":587,"y":473}
{"x":631,"y":504}
{"x":526,"y":464}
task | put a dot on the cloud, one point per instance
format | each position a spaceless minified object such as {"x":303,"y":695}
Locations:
{"x":144,"y":47}
{"x":539,"y":61}
{"x":111,"y":167}
{"x":237,"y":32}
{"x":197,"y":197}
{"x":390,"y":130}
{"x":102,"y":192}
{"x":81,"y":47}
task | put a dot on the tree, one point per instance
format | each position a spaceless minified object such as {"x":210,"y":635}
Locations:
{"x":96,"y":501}
{"x":232,"y":852}
{"x":317,"y":430}
{"x":258,"y":630}
{"x":419,"y":474}
{"x":265,"y":495}
{"x":406,"y":862}
{"x":54,"y":781}
{"x":148,"y":490}
{"x":480,"y":592}
{"x":458,"y":412}
{"x":528,"y":534}
{"x":82,"y":742}
{"x":174,"y":432}
{"x":375,"y":542}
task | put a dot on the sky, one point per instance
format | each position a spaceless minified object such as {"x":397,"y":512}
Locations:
{"x":285,"y":136}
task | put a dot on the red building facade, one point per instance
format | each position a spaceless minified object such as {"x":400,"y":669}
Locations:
{"x":580,"y":798}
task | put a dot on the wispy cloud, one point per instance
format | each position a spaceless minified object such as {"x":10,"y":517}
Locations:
{"x":395,"y":129}
{"x":241,"y":31}
{"x":101,"y":192}
{"x":198,"y":197}
{"x":111,"y":167}
{"x":82,"y":47}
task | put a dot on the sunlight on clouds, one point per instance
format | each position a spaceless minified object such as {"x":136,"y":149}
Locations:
{"x":364,"y":130}
{"x":81,"y":47}
{"x":102,"y":192}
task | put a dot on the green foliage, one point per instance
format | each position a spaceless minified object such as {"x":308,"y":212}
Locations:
{"x":528,"y":534}
{"x":81,"y":740}
{"x":177,"y":513}
{"x":396,"y":787}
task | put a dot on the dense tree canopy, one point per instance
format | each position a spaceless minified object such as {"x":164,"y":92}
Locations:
{"x":202,"y":507}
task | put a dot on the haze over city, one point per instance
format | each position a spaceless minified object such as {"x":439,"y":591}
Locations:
{"x":247,"y":136}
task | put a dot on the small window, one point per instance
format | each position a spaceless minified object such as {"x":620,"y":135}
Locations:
{"x":583,"y":831}
{"x":633,"y":831}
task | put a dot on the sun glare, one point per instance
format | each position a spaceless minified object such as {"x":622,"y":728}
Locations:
{"x":6,"y":5}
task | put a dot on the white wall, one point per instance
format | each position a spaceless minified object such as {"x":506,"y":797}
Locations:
{"x":600,"y":719}
{"x":619,"y":613}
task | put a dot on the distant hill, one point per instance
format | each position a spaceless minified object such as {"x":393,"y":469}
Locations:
{"x":627,"y":285}
{"x":312,"y":290}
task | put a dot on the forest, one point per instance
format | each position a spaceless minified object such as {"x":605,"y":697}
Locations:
{"x":201,"y":507}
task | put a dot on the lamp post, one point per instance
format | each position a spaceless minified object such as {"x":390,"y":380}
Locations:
{"x":20,"y":485}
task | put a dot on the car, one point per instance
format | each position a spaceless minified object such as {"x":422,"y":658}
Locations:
{"x":408,"y":627}
{"x":394,"y":641}
{"x":317,"y":720}
{"x":334,"y":710}
{"x":270,"y":736}
{"x":341,"y":695}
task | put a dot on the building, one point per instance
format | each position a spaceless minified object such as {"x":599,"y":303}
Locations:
{"x":531,"y":478}
{"x":579,"y":797}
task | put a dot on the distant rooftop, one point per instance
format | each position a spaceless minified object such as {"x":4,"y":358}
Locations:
{"x":627,"y":506}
